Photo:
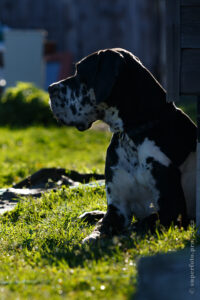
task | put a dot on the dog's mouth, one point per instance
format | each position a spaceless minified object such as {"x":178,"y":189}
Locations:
{"x":79,"y":126}
{"x":82,"y":126}
{"x":61,"y":118}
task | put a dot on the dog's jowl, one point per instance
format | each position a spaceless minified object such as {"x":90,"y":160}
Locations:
{"x":150,"y":163}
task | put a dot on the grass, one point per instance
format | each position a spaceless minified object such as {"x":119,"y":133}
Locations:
{"x":42,"y":256}
{"x":24,"y":151}
{"x":40,"y":240}
{"x":188,"y":104}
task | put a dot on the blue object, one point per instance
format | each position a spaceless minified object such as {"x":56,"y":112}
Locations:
{"x":52,"y":73}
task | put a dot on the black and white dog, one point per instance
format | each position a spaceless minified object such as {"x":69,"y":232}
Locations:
{"x":151,"y":160}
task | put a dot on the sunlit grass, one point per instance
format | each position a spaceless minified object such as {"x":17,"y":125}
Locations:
{"x":40,"y":240}
{"x":24,"y":151}
{"x":42,"y":256}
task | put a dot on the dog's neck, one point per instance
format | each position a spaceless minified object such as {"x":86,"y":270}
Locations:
{"x":110,"y":115}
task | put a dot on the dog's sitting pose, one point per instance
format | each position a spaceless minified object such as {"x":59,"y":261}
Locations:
{"x":151,"y":160}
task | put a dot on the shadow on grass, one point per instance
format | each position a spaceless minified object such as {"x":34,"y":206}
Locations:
{"x":75,"y":254}
{"x":79,"y":255}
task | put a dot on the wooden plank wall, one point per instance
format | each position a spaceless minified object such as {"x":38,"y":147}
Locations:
{"x":189,"y":2}
{"x":190,"y":26}
{"x":198,"y":169}
{"x":45,"y":14}
{"x":173,"y":49}
{"x":183,"y":61}
{"x":84,"y":26}
{"x":190,"y":70}
{"x":183,"y":48}
{"x":190,"y":47}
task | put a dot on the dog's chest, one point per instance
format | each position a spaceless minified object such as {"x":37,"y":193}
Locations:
{"x":134,"y":187}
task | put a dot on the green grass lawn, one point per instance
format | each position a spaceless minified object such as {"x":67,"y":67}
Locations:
{"x":24,"y":151}
{"x":41,"y":255}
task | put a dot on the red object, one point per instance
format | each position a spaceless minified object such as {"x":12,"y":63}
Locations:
{"x":65,"y":61}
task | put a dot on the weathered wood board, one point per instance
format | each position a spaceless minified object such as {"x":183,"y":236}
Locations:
{"x":190,"y":2}
{"x":190,"y":26}
{"x":173,"y":49}
{"x":198,"y":169}
{"x":183,"y":61}
{"x":190,"y":72}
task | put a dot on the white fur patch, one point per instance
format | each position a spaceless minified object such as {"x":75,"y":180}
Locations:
{"x":133,"y":189}
{"x":111,"y":117}
{"x":149,"y":149}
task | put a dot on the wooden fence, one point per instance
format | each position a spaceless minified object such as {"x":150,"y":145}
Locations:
{"x":183,"y":61}
{"x":83,"y":26}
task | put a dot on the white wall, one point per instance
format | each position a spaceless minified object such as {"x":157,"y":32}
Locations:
{"x":24,"y":57}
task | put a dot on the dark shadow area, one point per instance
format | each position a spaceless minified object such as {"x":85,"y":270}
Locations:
{"x":43,"y":181}
{"x":76,"y":255}
{"x":42,"y":178}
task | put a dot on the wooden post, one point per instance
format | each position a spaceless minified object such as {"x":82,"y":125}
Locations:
{"x":173,"y":49}
{"x":198,"y":168}
{"x":183,"y":62}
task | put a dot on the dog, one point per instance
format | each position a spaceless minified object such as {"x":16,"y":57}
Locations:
{"x":151,"y":160}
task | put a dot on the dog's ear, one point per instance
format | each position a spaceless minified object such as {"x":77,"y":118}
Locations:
{"x":108,"y":69}
{"x":149,"y":95}
{"x":100,"y":70}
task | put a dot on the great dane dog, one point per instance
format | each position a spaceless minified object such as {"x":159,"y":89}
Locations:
{"x":150,"y":163}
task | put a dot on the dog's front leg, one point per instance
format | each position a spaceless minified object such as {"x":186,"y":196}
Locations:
{"x":116,"y":219}
{"x":118,"y":182}
{"x":113,"y":223}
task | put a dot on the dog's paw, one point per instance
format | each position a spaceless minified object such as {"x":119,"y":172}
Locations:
{"x":92,"y":238}
{"x":92,"y":216}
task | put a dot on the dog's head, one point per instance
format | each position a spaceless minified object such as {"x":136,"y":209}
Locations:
{"x":107,"y":78}
{"x":77,"y":100}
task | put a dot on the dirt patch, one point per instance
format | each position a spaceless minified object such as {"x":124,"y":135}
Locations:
{"x":42,"y":181}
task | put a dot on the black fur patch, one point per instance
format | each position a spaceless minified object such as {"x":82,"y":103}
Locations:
{"x":73,"y":109}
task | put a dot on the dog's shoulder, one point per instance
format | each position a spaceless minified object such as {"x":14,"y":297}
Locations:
{"x":175,"y":134}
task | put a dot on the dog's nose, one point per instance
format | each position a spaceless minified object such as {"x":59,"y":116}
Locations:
{"x":51,"y":89}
